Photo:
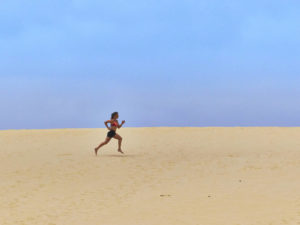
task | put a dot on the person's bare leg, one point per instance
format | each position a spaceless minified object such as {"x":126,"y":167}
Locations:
{"x":103,"y":143}
{"x":119,"y":138}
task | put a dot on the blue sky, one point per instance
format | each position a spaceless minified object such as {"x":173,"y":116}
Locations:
{"x":69,"y":64}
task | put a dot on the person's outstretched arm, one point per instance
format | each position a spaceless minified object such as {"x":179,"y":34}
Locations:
{"x":121,"y":124}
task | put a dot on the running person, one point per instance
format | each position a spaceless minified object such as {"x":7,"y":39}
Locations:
{"x":114,"y":124}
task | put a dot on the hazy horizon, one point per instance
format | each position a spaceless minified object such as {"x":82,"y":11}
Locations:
{"x":70,"y":64}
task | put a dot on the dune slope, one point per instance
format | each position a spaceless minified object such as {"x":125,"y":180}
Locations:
{"x":170,"y":176}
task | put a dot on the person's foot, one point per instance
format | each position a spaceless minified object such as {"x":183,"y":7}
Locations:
{"x":120,"y":150}
{"x":96,"y":150}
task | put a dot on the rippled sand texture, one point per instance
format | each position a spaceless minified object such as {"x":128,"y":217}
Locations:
{"x":169,"y":176}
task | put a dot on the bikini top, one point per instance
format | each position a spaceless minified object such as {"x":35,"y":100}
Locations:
{"x":114,"y":124}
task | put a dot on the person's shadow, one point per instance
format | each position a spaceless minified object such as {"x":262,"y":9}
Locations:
{"x":120,"y":155}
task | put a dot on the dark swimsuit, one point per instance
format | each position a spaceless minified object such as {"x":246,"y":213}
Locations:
{"x":112,"y":133}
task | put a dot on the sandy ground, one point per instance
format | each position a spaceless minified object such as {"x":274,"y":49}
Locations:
{"x":169,"y":176}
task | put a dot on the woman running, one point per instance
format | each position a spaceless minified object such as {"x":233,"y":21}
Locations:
{"x":114,"y":124}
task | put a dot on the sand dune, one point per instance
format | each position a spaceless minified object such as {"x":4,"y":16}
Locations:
{"x":169,"y":176}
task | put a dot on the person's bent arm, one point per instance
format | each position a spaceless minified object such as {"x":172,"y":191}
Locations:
{"x":119,"y":126}
{"x":106,"y":122}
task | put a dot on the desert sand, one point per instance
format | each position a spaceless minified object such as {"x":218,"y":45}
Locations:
{"x":168,"y":176}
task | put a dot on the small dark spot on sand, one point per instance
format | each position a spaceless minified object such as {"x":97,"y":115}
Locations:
{"x":209,"y":196}
{"x":240,"y":180}
{"x":165,"y":195}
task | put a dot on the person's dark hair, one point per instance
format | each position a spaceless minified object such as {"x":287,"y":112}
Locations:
{"x":113,"y":114}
